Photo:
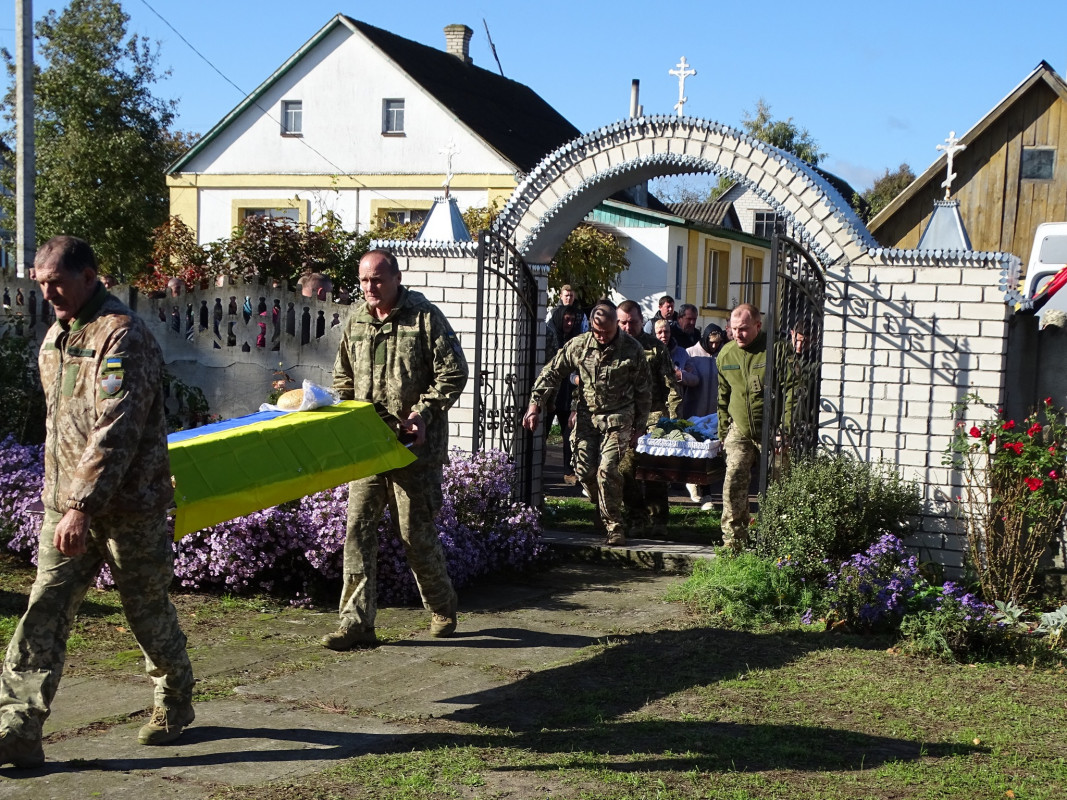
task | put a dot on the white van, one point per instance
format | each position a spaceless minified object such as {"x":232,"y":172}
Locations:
{"x":1047,"y":257}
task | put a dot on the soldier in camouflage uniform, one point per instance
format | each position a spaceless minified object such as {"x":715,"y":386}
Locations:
{"x":399,"y":352}
{"x":614,"y":396}
{"x":742,"y":365}
{"x":648,"y":502}
{"x":107,"y":487}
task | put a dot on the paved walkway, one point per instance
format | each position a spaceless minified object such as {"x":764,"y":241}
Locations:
{"x":346,"y":704}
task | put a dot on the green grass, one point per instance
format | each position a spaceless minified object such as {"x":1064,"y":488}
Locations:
{"x":679,"y":709}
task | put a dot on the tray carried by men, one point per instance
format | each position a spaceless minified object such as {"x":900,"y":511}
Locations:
{"x":677,"y":461}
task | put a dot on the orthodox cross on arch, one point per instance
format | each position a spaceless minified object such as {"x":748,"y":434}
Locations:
{"x":951,"y":147}
{"x":683,"y":71}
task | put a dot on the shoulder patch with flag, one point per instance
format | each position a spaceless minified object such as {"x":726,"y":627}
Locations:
{"x":111,"y":379}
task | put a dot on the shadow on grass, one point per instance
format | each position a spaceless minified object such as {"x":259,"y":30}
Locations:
{"x":589,"y":706}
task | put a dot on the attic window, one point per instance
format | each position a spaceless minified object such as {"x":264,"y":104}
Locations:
{"x":764,"y":225}
{"x":393,"y":116}
{"x":292,"y":118}
{"x":1038,"y":163}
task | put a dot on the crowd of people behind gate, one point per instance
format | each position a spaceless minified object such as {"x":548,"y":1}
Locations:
{"x":674,"y":371}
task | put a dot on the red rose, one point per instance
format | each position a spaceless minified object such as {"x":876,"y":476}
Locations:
{"x":1035,"y":428}
{"x":1048,"y":401}
{"x":977,"y":434}
{"x":1007,"y":426}
{"x":1053,"y":474}
{"x":1015,"y":447}
{"x":1034,"y":483}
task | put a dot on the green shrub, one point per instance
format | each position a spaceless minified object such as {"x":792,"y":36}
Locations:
{"x":826,"y":508}
{"x":21,"y":396}
{"x":747,"y":590}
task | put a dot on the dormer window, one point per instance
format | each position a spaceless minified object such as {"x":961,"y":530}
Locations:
{"x":292,"y":118}
{"x":393,"y":117}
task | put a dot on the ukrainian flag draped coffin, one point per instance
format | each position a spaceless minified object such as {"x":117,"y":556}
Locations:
{"x":241,"y":465}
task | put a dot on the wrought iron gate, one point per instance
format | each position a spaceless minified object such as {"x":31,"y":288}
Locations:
{"x":794,"y":325}
{"x":505,"y":356}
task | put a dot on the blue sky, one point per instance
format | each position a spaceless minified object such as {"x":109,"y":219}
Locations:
{"x":876,"y":83}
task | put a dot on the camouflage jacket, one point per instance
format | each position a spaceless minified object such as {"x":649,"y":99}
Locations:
{"x":106,"y":430}
{"x":614,"y":382}
{"x":665,"y":397}
{"x":410,"y":361}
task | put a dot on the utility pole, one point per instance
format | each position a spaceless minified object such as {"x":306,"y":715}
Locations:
{"x":25,"y":164}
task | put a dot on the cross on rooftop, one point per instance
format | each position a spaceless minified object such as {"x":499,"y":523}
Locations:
{"x":448,"y":151}
{"x":951,"y":147}
{"x":683,"y":71}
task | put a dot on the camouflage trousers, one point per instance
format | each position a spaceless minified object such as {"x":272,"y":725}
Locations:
{"x":414,"y":497}
{"x":598,"y":457}
{"x":138,"y":550}
{"x":741,"y":455}
{"x":647,"y":502}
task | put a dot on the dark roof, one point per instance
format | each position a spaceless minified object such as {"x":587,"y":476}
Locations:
{"x":510,"y":117}
{"x":720,"y":215}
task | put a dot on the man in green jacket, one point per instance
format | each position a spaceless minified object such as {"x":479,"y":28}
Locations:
{"x":742,"y":365}
{"x":399,"y":352}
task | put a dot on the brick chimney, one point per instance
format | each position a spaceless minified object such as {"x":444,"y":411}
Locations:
{"x":458,"y":42}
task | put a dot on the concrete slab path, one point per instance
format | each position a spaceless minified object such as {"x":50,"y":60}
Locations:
{"x":346,"y":704}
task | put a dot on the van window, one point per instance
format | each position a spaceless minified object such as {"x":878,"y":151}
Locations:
{"x":1053,"y":249}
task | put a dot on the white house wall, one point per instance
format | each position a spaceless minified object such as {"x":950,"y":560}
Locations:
{"x":341,"y":84}
{"x":646,"y":277}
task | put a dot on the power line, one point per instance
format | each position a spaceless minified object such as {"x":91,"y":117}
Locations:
{"x":337,"y":170}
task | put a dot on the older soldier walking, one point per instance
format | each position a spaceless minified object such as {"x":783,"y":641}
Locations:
{"x":614,"y":397}
{"x":400,"y":352}
{"x":742,"y":365}
{"x":107,"y":488}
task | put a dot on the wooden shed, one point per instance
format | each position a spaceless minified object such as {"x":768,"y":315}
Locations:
{"x":1011,"y":177}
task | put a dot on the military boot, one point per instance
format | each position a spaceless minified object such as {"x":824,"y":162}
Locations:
{"x":166,"y":724}
{"x":350,"y":638}
{"x":23,"y":753}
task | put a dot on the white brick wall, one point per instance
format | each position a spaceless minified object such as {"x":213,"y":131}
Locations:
{"x":926,"y":336}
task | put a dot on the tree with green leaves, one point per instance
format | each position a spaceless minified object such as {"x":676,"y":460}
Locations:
{"x":102,"y":139}
{"x":783,"y":134}
{"x":886,"y":188}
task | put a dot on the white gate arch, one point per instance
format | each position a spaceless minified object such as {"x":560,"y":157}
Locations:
{"x":569,"y":182}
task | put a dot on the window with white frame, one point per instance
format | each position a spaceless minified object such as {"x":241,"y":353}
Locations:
{"x":292,"y":118}
{"x":764,"y":225}
{"x":393,"y":116}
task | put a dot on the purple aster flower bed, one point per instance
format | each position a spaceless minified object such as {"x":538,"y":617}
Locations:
{"x":873,"y":588}
{"x":293,"y":548}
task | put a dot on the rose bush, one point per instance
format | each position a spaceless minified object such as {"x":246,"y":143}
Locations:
{"x":1014,"y":494}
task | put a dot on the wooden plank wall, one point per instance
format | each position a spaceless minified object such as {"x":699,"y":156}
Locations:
{"x":1001,"y":211}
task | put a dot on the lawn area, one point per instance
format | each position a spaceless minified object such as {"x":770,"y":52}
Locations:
{"x":688,"y":710}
